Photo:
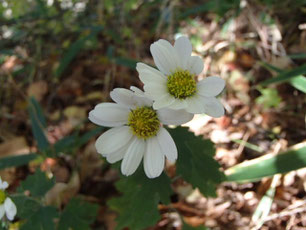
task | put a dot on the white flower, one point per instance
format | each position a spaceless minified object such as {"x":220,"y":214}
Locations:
{"x":174,"y":86}
{"x":6,"y":204}
{"x":137,"y":131}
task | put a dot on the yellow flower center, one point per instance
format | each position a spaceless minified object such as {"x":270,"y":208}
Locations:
{"x":144,"y":122}
{"x":181,"y":84}
{"x":2,"y":196}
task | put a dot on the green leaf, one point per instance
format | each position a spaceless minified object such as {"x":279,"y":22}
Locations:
{"x":285,"y":76}
{"x":195,"y":161}
{"x":263,"y":208}
{"x":73,"y":50}
{"x":88,"y":135}
{"x":298,"y":56}
{"x":38,"y":184}
{"x":15,"y":161}
{"x":26,"y":206}
{"x":269,"y":98}
{"x":127,"y":62}
{"x":73,"y":142}
{"x":77,"y":215}
{"x":137,"y":207}
{"x":43,"y":218}
{"x":268,"y":165}
{"x":299,"y":83}
{"x":38,"y":123}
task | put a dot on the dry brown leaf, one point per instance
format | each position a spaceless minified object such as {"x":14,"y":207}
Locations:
{"x":38,"y":90}
{"x":61,"y":193}
{"x":15,"y":146}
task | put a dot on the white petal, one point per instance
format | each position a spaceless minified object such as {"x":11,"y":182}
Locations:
{"x":163,"y":102}
{"x":195,"y":104}
{"x":165,"y":56}
{"x":137,"y":91}
{"x":133,"y":156}
{"x":2,"y":211}
{"x":213,"y":107}
{"x":118,"y":154}
{"x":210,"y":86}
{"x":3,"y":185}
{"x":178,"y":104}
{"x":173,"y":117}
{"x":155,"y":91}
{"x":123,"y":97}
{"x":167,"y":144}
{"x":109,"y":115}
{"x":154,"y":159}
{"x":183,"y":48}
{"x":195,"y":65}
{"x":10,"y":209}
{"x":148,"y":74}
{"x":113,"y":139}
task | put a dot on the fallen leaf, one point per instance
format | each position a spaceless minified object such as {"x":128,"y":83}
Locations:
{"x":38,"y":90}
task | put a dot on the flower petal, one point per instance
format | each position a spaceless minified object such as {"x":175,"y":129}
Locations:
{"x":195,"y":104}
{"x":183,"y":48}
{"x":148,"y":74}
{"x":167,"y":144}
{"x":109,"y":115}
{"x":3,"y":185}
{"x":195,"y":65}
{"x":174,"y":117}
{"x":154,"y":159}
{"x":165,"y":56}
{"x":113,"y":139}
{"x":137,"y":91}
{"x":213,"y":107}
{"x":133,"y":156}
{"x":210,"y":86}
{"x":178,"y":104}
{"x":163,"y":102}
{"x":10,"y":209}
{"x":118,"y":154}
{"x":123,"y":97}
{"x":155,"y":91}
{"x":2,"y":211}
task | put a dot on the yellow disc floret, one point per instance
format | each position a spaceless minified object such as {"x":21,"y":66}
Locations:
{"x":2,"y":196}
{"x":181,"y":84}
{"x":144,"y":122}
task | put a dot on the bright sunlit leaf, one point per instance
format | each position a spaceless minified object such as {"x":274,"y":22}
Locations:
{"x":268,"y":165}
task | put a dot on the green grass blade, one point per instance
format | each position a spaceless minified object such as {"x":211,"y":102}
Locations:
{"x":73,"y":50}
{"x":298,"y":56}
{"x":38,"y":124}
{"x":268,"y":165}
{"x":285,"y":76}
{"x":15,"y":161}
{"x":248,"y":145}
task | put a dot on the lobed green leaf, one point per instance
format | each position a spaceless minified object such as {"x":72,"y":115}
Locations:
{"x":77,"y":215}
{"x":38,"y":184}
{"x":137,"y":207}
{"x":195,"y":161}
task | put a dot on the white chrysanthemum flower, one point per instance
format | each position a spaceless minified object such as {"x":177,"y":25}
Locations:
{"x":174,"y":85}
{"x":137,"y":131}
{"x":6,"y":204}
